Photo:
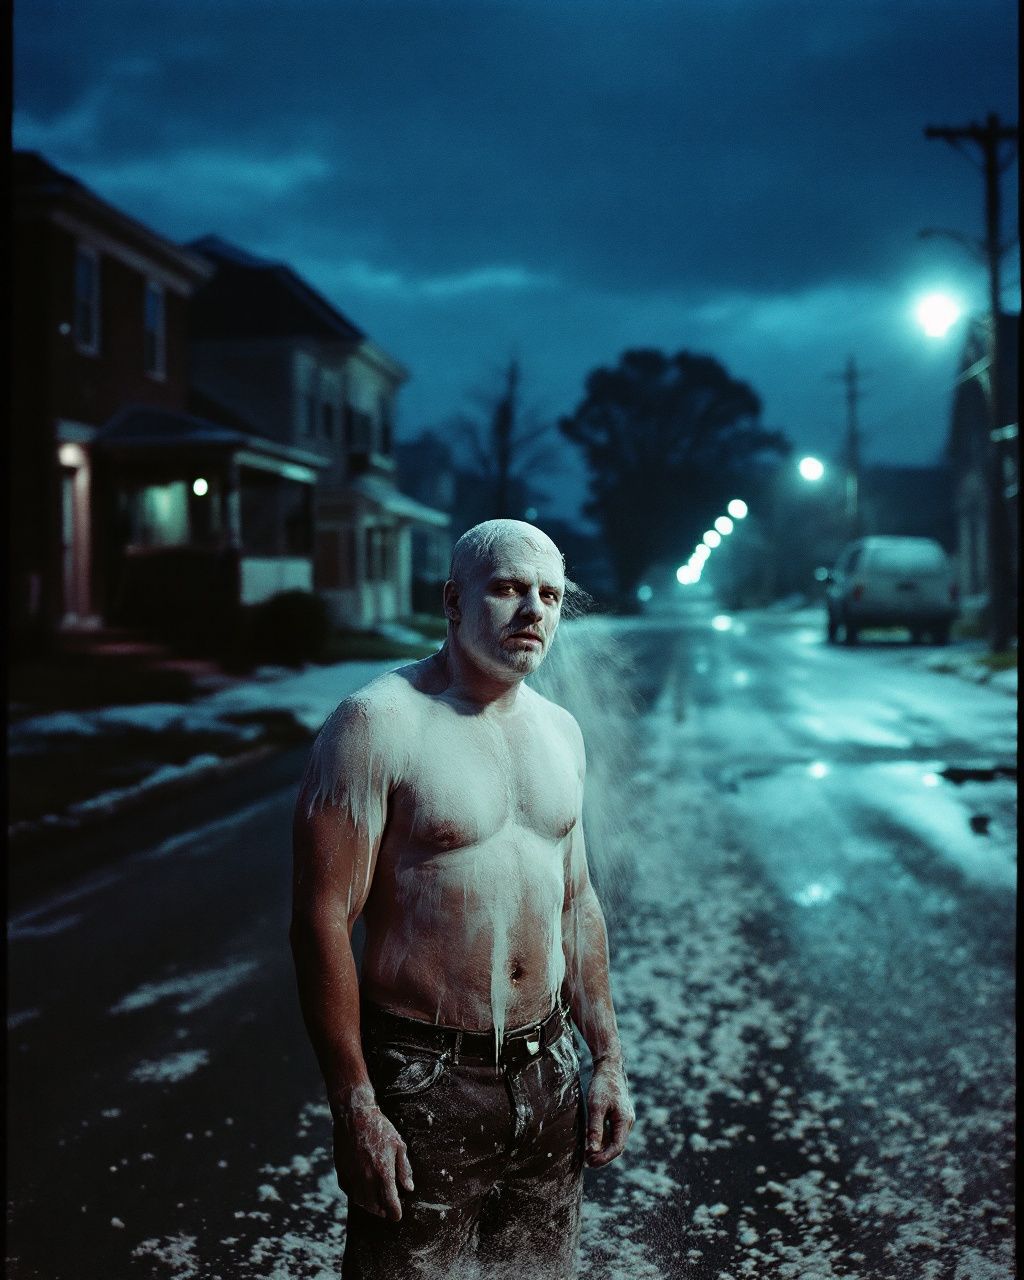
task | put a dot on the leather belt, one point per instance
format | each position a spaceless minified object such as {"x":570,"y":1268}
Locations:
{"x":517,"y":1046}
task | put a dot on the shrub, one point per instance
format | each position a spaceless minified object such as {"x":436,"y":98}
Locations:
{"x":290,"y":628}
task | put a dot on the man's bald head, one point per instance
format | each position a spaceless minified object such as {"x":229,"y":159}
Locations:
{"x":481,"y":546}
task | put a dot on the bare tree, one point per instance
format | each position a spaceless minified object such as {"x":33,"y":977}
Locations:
{"x":506,"y":445}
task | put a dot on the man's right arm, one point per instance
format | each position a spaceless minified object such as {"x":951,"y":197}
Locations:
{"x":339,"y":820}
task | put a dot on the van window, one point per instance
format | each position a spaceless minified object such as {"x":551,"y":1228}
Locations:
{"x":851,"y":560}
{"x":908,"y":557}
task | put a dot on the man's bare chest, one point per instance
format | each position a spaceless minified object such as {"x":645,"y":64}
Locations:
{"x":467,"y":782}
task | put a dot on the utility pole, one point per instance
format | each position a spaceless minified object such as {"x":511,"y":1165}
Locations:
{"x":850,"y":376}
{"x":988,"y":140}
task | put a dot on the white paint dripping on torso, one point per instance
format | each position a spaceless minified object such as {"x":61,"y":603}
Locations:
{"x":460,"y":825}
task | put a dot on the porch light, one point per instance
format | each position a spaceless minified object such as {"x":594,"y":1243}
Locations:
{"x":71,"y":455}
{"x":200,"y":488}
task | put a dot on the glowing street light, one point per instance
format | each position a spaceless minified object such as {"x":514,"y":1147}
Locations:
{"x":937,"y":313}
{"x":724,"y":526}
{"x":684,"y":575}
{"x":812,"y":469}
{"x":737,"y":509}
{"x":200,"y":488}
{"x":712,"y":538}
{"x":700,"y":553}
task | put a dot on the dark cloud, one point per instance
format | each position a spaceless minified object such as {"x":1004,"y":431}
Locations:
{"x":561,"y":176}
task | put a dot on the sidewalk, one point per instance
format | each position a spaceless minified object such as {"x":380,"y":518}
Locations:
{"x":70,"y":768}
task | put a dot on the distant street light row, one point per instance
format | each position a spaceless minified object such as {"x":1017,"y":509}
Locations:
{"x":689,"y":573}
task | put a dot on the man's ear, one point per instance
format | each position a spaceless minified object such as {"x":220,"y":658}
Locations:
{"x":451,"y":601}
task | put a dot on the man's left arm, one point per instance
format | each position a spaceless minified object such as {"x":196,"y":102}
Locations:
{"x":587,"y":988}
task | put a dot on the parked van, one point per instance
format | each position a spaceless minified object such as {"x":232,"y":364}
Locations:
{"x":891,"y":582}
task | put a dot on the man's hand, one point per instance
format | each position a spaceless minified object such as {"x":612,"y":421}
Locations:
{"x":610,"y":1113}
{"x":371,"y":1161}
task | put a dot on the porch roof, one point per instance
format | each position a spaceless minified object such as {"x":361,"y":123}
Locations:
{"x":385,"y":496}
{"x":141,"y":431}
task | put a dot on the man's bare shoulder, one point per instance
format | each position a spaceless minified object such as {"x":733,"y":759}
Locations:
{"x":376,"y":711}
{"x":561,"y":720}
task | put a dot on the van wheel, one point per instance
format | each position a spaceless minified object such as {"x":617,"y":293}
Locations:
{"x":916,"y":637}
{"x":832,"y":630}
{"x":849,"y":634}
{"x":941,"y":635}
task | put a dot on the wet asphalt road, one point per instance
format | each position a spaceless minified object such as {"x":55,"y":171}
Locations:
{"x":812,"y":959}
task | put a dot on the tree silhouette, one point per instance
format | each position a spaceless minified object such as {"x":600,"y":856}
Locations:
{"x":668,"y":440}
{"x":504,"y":442}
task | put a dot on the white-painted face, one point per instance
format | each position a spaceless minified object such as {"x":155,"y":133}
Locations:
{"x":510,"y":606}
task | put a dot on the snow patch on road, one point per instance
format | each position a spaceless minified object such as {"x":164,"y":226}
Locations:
{"x":177,"y":1253}
{"x":16,"y":1020}
{"x":48,"y":929}
{"x":172,"y":1069}
{"x":193,"y":990}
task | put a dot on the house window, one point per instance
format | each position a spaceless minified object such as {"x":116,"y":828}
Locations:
{"x":372,"y":554}
{"x":160,"y":515}
{"x":336,"y":558}
{"x":379,"y":554}
{"x":328,"y":562}
{"x":350,"y":569}
{"x":155,"y":331}
{"x":307,"y":396}
{"x":87,"y":300}
{"x":297,"y":513}
{"x":361,"y":432}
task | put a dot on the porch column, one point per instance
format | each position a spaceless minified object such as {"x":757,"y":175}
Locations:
{"x":231,"y":506}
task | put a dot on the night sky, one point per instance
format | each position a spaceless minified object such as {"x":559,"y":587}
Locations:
{"x":562,"y":179}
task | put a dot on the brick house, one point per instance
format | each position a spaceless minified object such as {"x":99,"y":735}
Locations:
{"x":99,"y":305}
{"x":268,"y":350}
{"x":161,"y":483}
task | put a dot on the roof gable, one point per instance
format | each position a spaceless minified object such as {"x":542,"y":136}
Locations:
{"x":43,"y":190}
{"x":253,"y":297}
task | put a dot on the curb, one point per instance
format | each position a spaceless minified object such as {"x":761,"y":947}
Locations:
{"x":25,"y":837}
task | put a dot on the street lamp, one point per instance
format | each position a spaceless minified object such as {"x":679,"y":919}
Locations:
{"x":811,"y":469}
{"x":738,"y":509}
{"x":724,"y":526}
{"x":937,"y":313}
{"x":712,"y":538}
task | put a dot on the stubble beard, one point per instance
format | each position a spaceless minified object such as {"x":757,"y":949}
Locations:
{"x":522,"y":661}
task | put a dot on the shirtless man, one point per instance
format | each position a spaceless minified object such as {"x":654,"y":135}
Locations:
{"x":443,"y":802}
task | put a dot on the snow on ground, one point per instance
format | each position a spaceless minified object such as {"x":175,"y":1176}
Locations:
{"x":309,"y":695}
{"x":171,"y":1069}
{"x":192,"y":991}
{"x":230,"y":716}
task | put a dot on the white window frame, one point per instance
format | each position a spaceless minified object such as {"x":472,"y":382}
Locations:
{"x":159,"y":370}
{"x":87,"y":347}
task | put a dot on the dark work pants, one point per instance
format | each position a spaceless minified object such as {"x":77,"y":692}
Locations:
{"x":497,"y":1159}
